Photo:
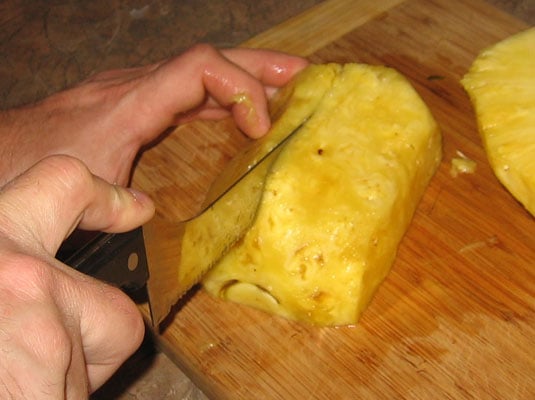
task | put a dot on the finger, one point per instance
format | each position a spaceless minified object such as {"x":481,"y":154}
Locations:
{"x":111,"y":329}
{"x":77,"y":330}
{"x":203,"y":72}
{"x":210,"y":111}
{"x":42,"y":346}
{"x":59,"y":193}
{"x":44,"y":360}
{"x":272,"y":68}
{"x":184,"y":83}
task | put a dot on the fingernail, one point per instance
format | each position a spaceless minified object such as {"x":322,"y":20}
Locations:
{"x":139,"y":196}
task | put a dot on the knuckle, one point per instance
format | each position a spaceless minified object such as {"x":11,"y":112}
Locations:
{"x":67,"y":175}
{"x":131,"y":321}
{"x":50,"y":342}
{"x":132,"y":317}
{"x":29,"y":312}
{"x":69,"y":170}
{"x":26,"y":277}
{"x":136,"y":331}
{"x":202,"y":50}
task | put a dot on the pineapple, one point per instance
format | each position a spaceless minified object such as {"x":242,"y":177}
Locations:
{"x":501,"y":85}
{"x":338,"y":198}
{"x":208,"y":236}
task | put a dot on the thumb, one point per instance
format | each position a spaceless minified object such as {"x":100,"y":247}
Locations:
{"x":47,"y":202}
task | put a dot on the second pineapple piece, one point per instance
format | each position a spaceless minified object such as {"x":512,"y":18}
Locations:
{"x":337,"y":201}
{"x":501,"y":85}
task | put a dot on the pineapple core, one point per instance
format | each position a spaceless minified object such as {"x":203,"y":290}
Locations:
{"x":501,"y":85}
{"x":338,"y":198}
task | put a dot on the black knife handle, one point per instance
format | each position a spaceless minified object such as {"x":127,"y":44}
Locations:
{"x":116,"y":258}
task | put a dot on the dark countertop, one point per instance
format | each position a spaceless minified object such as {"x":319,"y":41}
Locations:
{"x":47,"y":45}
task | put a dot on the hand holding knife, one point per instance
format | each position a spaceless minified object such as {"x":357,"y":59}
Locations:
{"x":171,"y":257}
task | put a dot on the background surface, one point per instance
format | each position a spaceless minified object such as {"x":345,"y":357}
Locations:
{"x":47,"y":45}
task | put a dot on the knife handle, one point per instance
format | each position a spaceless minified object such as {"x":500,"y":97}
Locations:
{"x":116,"y":258}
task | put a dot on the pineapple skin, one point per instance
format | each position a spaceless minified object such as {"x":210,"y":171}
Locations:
{"x":501,"y":86}
{"x":336,"y":202}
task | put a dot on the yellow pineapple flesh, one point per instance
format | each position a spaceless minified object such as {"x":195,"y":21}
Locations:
{"x":337,"y":200}
{"x":501,"y":86}
{"x":230,"y":212}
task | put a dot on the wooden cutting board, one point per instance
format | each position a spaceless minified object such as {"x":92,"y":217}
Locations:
{"x":455,"y":318}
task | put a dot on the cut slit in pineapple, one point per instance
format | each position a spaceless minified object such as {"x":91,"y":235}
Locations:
{"x":337,"y":200}
{"x":501,"y":86}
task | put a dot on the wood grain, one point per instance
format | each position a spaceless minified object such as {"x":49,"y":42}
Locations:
{"x":320,"y":25}
{"x":455,"y":318}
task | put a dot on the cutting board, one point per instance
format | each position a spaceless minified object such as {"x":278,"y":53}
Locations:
{"x":455,"y":318}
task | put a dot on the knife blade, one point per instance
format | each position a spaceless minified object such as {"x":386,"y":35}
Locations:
{"x":170,"y":257}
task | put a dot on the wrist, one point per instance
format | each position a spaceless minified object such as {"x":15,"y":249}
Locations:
{"x":8,"y":131}
{"x":17,"y":153}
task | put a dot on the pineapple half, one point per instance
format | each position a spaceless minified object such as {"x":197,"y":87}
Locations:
{"x":501,"y":85}
{"x":338,"y":198}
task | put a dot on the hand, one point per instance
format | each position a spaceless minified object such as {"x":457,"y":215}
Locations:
{"x":105,"y":120}
{"x":62,"y":334}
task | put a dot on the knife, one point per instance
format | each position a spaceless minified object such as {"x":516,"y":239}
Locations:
{"x":169,"y":257}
